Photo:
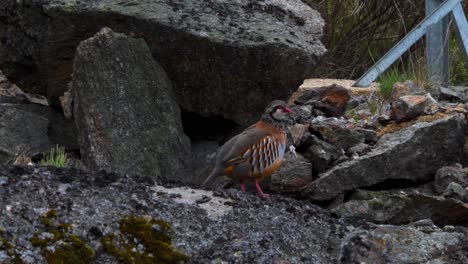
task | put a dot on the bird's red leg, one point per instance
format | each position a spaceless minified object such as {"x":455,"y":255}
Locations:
{"x":242,"y":186}
{"x":259,"y":190}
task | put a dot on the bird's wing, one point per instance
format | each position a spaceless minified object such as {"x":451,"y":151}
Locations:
{"x":238,"y":149}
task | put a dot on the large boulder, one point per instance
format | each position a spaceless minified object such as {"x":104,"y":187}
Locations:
{"x":125,"y":113}
{"x":248,"y":51}
{"x":414,"y":153}
{"x":206,"y":227}
{"x":87,"y":210}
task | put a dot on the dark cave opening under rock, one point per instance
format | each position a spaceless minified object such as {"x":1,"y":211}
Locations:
{"x":198,"y":127}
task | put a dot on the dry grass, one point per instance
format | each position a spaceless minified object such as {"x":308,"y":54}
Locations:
{"x":357,"y":33}
{"x":394,"y":127}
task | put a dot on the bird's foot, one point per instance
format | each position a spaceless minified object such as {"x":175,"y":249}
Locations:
{"x":259,"y":190}
{"x":242,"y":186}
{"x":263,"y":195}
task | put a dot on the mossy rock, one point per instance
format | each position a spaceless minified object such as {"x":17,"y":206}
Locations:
{"x":58,"y":245}
{"x":9,"y":249}
{"x":142,"y":240}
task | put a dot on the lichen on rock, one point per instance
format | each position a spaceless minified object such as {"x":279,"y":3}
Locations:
{"x":8,"y":251}
{"x":142,"y":240}
{"x":58,"y":245}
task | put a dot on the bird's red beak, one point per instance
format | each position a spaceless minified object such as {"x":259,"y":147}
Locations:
{"x":287,"y":109}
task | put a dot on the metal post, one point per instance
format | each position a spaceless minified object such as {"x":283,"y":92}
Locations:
{"x":404,"y":44}
{"x":462,"y":30}
{"x":437,"y":49}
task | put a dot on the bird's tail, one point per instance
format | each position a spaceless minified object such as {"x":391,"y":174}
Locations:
{"x":215,"y":173}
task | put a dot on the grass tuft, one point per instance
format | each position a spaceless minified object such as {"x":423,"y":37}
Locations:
{"x":57,"y":158}
{"x":388,"y":79}
{"x":458,"y":70}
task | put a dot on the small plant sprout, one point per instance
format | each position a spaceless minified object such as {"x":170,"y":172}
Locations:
{"x":57,"y":158}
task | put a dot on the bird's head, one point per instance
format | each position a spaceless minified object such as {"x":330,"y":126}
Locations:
{"x":276,"y":112}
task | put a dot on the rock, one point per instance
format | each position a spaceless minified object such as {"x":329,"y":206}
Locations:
{"x":99,"y":201}
{"x":385,"y":112}
{"x":359,"y":149}
{"x":407,"y":154}
{"x":456,"y":191}
{"x":294,"y":174}
{"x":321,"y":154}
{"x":331,"y":100}
{"x":447,"y":94}
{"x":397,"y":207}
{"x":203,"y":159}
{"x":403,"y":89}
{"x":311,"y":84}
{"x":10,"y":93}
{"x":399,"y":244}
{"x":66,"y":102}
{"x":336,"y":132}
{"x":301,"y":113}
{"x":463,"y":90}
{"x":411,"y":106}
{"x":359,"y":101}
{"x":446,"y":175}
{"x":60,"y":130}
{"x":206,"y":227}
{"x":124,"y":110}
{"x":325,"y":126}
{"x":250,"y":52}
{"x":299,"y":132}
{"x":344,"y":138}
{"x":425,"y":225}
{"x":370,"y":136}
{"x":21,"y":132}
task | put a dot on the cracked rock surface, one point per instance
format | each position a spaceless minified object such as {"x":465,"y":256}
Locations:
{"x":226,"y":226}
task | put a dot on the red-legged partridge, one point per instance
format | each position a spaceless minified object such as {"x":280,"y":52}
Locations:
{"x":256,"y":152}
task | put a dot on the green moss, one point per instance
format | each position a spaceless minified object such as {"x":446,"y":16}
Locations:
{"x":6,"y":246}
{"x":142,"y":240}
{"x":48,"y":218}
{"x":60,"y":246}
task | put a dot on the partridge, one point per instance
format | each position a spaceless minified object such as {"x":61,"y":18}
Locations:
{"x":256,"y":152}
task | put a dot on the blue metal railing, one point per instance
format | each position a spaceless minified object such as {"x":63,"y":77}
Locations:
{"x":437,"y":54}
